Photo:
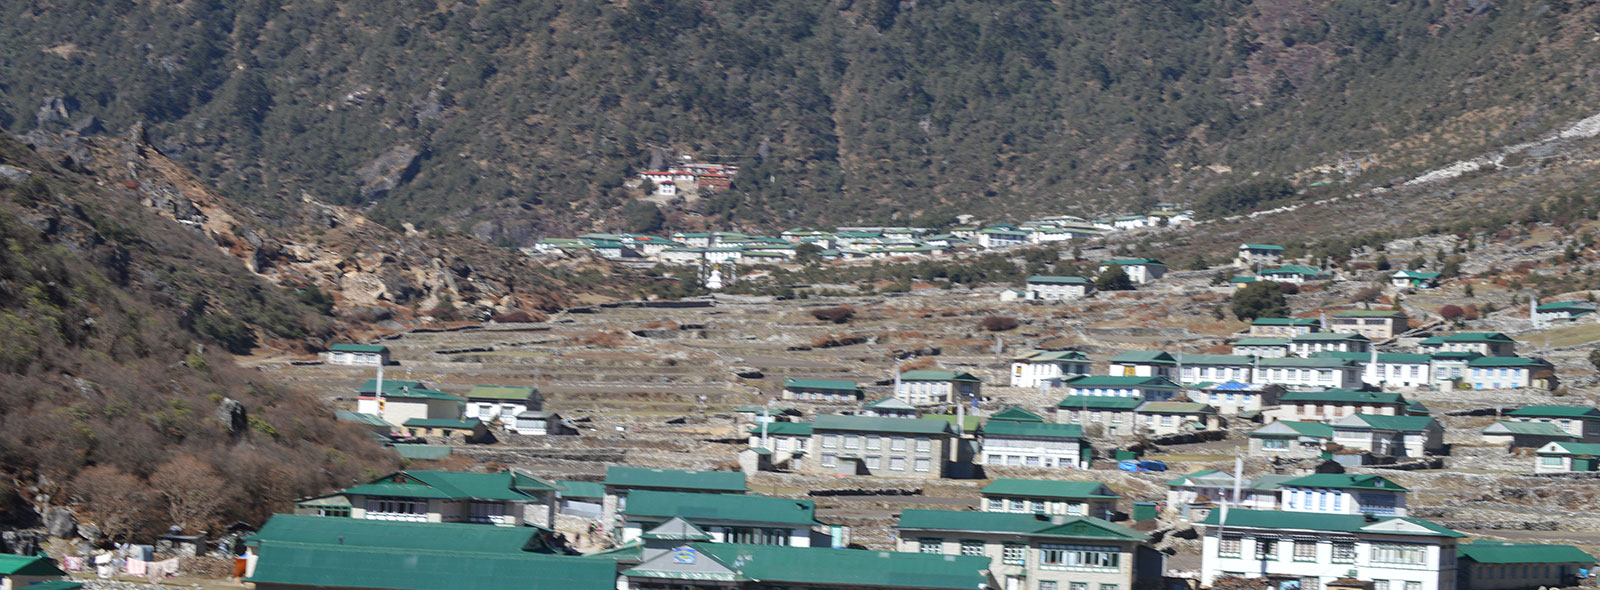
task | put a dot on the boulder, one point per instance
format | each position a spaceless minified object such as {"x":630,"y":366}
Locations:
{"x":232,"y":413}
{"x":392,"y":169}
{"x":14,"y":174}
{"x":60,"y":522}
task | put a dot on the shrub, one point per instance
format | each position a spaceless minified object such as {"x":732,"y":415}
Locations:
{"x":1451,"y":312}
{"x":999,"y":323}
{"x":1261,"y":299}
{"x":837,"y":315}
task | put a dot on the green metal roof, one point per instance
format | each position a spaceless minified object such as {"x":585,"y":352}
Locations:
{"x":389,"y":386}
{"x":1411,"y":274}
{"x":26,"y":565}
{"x":1041,"y":488}
{"x":1397,"y":423}
{"x":922,"y":375}
{"x":1567,"y":306}
{"x":1121,"y":381}
{"x":1133,"y":262}
{"x":785,"y":428}
{"x":1496,"y":337}
{"x":1099,"y":402}
{"x":1284,"y":322}
{"x":416,"y":393}
{"x":1555,"y":412}
{"x":422,"y":452}
{"x":1383,"y":357}
{"x":1292,"y":269}
{"x":359,"y":418}
{"x":1035,"y":525}
{"x":1263,"y":247}
{"x":707,"y":508}
{"x":1484,"y":551}
{"x":1016,"y":414}
{"x":344,"y":566}
{"x":676,"y":529}
{"x":1328,"y":336}
{"x":1242,"y":280}
{"x":1262,"y":342}
{"x":368,"y":348}
{"x":468,"y":424}
{"x":1044,"y":356}
{"x":647,"y":477}
{"x":1312,"y":363}
{"x":825,"y":384}
{"x":453,"y":485}
{"x":1344,"y":481}
{"x":1369,"y":313}
{"x":581,"y":489}
{"x":1175,"y":408}
{"x":969,"y":423}
{"x":1336,"y":523}
{"x":296,"y":529}
{"x":1573,"y":448}
{"x":1310,"y":429}
{"x":1032,"y":429}
{"x":1343,"y":396}
{"x":1053,"y":280}
{"x":1144,"y":357}
{"x":1527,"y":428}
{"x":1507,"y":361}
{"x":889,"y":403}
{"x":772,"y":564}
{"x":1189,"y":358}
{"x":502,"y":392}
{"x":876,"y":424}
{"x":1458,"y":356}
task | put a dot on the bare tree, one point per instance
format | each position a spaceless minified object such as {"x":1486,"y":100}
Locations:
{"x":192,"y":490}
{"x":115,"y":501}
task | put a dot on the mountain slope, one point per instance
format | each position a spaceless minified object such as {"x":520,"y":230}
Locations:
{"x":510,"y":119}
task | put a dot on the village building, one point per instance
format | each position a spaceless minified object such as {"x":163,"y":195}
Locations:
{"x":737,"y":518}
{"x":36,"y":572}
{"x":1308,"y":550}
{"x":1141,"y":388}
{"x":1142,"y":363}
{"x":1449,"y":369}
{"x":508,"y":498}
{"x":1563,"y":311}
{"x":1034,"y":551}
{"x":1294,"y":274}
{"x":1212,"y":368}
{"x":1131,"y":222}
{"x":1525,"y":435}
{"x":360,"y":355}
{"x":1375,"y":324}
{"x":1283,"y":327}
{"x":294,"y":552}
{"x":1388,"y":369}
{"x":925,"y":387}
{"x":1499,"y":565}
{"x":1411,"y":279}
{"x":468,"y":429}
{"x":1034,"y":444}
{"x":1332,"y":404}
{"x":1194,"y":495}
{"x":541,"y":423}
{"x":1139,"y":270}
{"x":787,"y":443}
{"x":502,"y":403}
{"x":890,"y":407}
{"x":1482,"y":343}
{"x":371,"y":422}
{"x":1258,"y":256}
{"x":1174,"y":417}
{"x":1285,"y":438}
{"x":406,"y":400}
{"x":622,"y":480}
{"x":1233,"y":398}
{"x":1051,"y":288}
{"x":1262,"y":347}
{"x":1582,"y":423}
{"x":1498,"y":372}
{"x":1240,"y":282}
{"x":1390,"y":436}
{"x":1110,"y":415}
{"x":1048,"y":368}
{"x":827,"y":391}
{"x":1307,"y":373}
{"x":1567,"y":457}
{"x":1343,"y":493}
{"x":679,"y":564}
{"x":923,"y":448}
{"x":998,"y":237}
{"x":1016,"y":414}
{"x":1051,"y":497}
{"x":1308,"y":345}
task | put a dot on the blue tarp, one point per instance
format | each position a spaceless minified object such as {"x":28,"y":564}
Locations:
{"x":1141,"y":466}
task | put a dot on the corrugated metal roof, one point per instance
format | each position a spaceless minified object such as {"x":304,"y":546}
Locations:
{"x":707,"y":508}
{"x":1032,"y":429}
{"x":1075,"y":527}
{"x":875,"y":424}
{"x":774,"y":564}
{"x":1341,"y":523}
{"x":344,"y":566}
{"x":1041,"y":488}
{"x":647,"y":477}
{"x":1484,"y":551}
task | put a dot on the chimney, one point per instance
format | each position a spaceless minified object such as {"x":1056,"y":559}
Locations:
{"x":1058,"y":519}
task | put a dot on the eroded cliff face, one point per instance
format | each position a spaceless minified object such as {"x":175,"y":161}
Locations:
{"x":373,"y":277}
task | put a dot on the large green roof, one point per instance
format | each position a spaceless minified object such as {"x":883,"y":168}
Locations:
{"x":1527,"y":428}
{"x":785,"y":428}
{"x":1343,"y":396}
{"x":1099,"y":402}
{"x":1369,"y":313}
{"x":467,"y":424}
{"x":1397,"y":423}
{"x":398,"y":536}
{"x":1261,"y":341}
{"x":1483,"y":551}
{"x":647,"y":477}
{"x":1313,"y":363}
{"x":26,"y":565}
{"x":1144,"y":357}
{"x":925,"y":375}
{"x":876,"y":424}
{"x":824,"y":384}
{"x":1074,"y":527}
{"x":1567,"y":305}
{"x":800,"y":566}
{"x":453,"y":485}
{"x":1383,"y":357}
{"x":501,"y":392}
{"x":1329,"y":337}
{"x":581,"y":489}
{"x":345,"y":566}
{"x":1284,"y":322}
{"x":1292,"y":269}
{"x":1478,"y":337}
{"x":1032,"y":429}
{"x":367,"y":348}
{"x":1573,"y":448}
{"x":1050,"y":280}
{"x":1507,"y":361}
{"x":1334,"y":523}
{"x":1043,"y":488}
{"x":702,"y":509}
{"x":1556,"y":412}
{"x":1122,"y":381}
{"x":1310,"y":429}
{"x":1344,"y":481}
{"x":1016,"y":414}
{"x":1273,"y":247}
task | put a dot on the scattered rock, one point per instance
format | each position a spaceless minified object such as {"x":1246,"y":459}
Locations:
{"x":14,"y":174}
{"x":392,"y":169}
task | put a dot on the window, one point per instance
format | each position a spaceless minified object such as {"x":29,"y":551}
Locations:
{"x":1231,"y":545}
{"x":1550,"y":461}
{"x":1413,"y":585}
{"x":1038,"y":506}
{"x":1078,"y":556}
{"x":1047,"y":585}
{"x":922,"y":464}
{"x":874,"y":443}
{"x":1380,"y":585}
{"x":1305,"y":550}
{"x":971,"y":547}
{"x":490,"y":512}
{"x":396,"y":509}
{"x":1275,"y":443}
{"x":997,"y":505}
{"x":1108,"y":587}
{"x":873,"y":461}
{"x":1018,"y":506}
{"x":830,"y":441}
{"x":337,"y":511}
{"x":1166,"y":420}
{"x":930,"y":545}
{"x":897,"y":463}
{"x":1310,"y":583}
{"x":1075,"y":509}
{"x":1266,"y":548}
{"x":1031,"y":460}
{"x":897,"y":444}
{"x":924,"y":445}
{"x":852,"y":441}
{"x":829,"y":460}
{"x":1344,"y":552}
{"x":1014,"y":553}
{"x":1399,"y":553}
{"x":1079,"y":586}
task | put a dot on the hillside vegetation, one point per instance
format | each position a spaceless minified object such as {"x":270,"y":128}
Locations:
{"x":509,"y":119}
{"x":117,"y":396}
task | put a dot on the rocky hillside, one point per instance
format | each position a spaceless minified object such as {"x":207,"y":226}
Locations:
{"x":508,"y":120}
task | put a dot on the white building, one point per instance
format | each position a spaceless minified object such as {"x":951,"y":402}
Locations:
{"x":1308,"y":551}
{"x":361,"y":355}
{"x":1050,"y":288}
{"x":1139,"y":270}
{"x":1302,"y":373}
{"x":1142,"y":363}
{"x":1232,"y":398}
{"x":1308,"y":345}
{"x":1033,"y":444}
{"x":1140,"y":388}
{"x":490,"y":403}
{"x":1048,"y":367}
{"x":1342,"y":493}
{"x":1258,"y":256}
{"x":1397,"y":436}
